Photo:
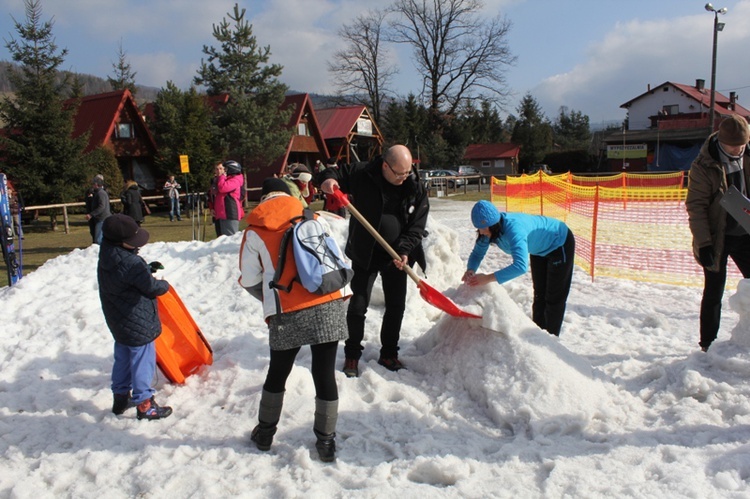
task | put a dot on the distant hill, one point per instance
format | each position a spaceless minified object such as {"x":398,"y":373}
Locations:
{"x":91,"y":84}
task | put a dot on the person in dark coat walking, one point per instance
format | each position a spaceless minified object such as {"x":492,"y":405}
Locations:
{"x":128,"y":292}
{"x":132,"y":202}
{"x":388,"y":193}
{"x":97,"y":208}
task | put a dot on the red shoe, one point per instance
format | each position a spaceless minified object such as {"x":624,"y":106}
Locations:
{"x":351,"y":368}
{"x":391,"y":363}
{"x":151,"y":410}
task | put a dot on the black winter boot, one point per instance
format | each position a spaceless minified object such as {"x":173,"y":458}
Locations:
{"x":269,"y":413}
{"x":121,"y":402}
{"x":326,"y":416}
{"x":326,"y":446}
{"x":263,"y":437}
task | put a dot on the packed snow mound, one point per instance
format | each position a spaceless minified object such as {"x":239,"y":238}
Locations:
{"x":524,"y":377}
{"x":740,"y":303}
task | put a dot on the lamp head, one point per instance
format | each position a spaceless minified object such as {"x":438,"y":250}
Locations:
{"x":723,"y":10}
{"x":709,"y":7}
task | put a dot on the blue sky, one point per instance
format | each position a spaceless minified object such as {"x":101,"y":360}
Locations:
{"x":589,"y":55}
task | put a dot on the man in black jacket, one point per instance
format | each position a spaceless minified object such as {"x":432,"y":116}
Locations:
{"x":389,"y":194}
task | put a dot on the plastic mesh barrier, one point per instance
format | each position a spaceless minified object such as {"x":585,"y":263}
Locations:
{"x":634,"y":228}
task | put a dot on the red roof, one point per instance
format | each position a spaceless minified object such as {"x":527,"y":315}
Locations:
{"x":702,"y":96}
{"x":302,"y":105}
{"x":492,"y":151}
{"x":100,"y":113}
{"x":338,"y":122}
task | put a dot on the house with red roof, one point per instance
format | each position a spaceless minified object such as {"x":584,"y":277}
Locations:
{"x":114,"y":121}
{"x":306,"y":145}
{"x":666,"y":126}
{"x":497,"y":159}
{"x":350,"y":133}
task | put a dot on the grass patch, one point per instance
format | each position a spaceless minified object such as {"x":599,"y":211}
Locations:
{"x":41,"y":243}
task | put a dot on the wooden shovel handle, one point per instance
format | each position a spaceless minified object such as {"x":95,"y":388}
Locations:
{"x":374,"y":233}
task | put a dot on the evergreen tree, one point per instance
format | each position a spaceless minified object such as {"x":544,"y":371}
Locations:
{"x":39,"y":153}
{"x":124,"y":77}
{"x":182,"y":125}
{"x":250,"y":127}
{"x":532,"y":131}
{"x":572,"y":130}
{"x":481,"y":126}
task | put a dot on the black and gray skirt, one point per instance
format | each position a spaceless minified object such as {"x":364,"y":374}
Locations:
{"x":310,"y":326}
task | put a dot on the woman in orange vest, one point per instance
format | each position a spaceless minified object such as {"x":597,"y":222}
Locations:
{"x":295,"y":318}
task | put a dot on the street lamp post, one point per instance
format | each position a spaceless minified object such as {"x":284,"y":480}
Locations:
{"x":717,"y":27}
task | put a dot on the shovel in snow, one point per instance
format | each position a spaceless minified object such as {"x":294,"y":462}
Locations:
{"x":427,"y":292}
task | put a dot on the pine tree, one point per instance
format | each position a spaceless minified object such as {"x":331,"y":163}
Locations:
{"x":124,"y":76}
{"x":532,"y":132}
{"x":572,"y":130}
{"x":182,"y":125}
{"x":39,"y":153}
{"x":250,"y":127}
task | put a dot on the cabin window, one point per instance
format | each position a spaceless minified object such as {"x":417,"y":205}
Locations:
{"x":124,"y":131}
{"x":671,"y":109}
{"x":302,"y":129}
{"x":486,"y":164}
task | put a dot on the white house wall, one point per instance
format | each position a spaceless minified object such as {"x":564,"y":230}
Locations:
{"x":651,"y":103}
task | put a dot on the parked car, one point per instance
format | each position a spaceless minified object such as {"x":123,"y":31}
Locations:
{"x":465,"y":170}
{"x":440,"y":178}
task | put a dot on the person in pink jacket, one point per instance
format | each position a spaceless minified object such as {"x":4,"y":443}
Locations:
{"x":227,"y":205}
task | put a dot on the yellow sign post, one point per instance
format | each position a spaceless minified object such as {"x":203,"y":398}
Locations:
{"x":184,"y":165}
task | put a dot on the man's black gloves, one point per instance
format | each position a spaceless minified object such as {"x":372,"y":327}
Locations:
{"x":706,"y":256}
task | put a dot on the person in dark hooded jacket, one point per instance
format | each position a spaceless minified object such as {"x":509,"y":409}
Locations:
{"x":389,"y":195}
{"x":97,"y":208}
{"x":128,"y":292}
{"x":132,"y":201}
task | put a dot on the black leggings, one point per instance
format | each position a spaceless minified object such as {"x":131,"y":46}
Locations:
{"x":323,"y":370}
{"x":552,"y":276}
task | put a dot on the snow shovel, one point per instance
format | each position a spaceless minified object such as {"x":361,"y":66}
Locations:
{"x":427,"y":292}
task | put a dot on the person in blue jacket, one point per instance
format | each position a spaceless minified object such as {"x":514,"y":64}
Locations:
{"x":545,"y":244}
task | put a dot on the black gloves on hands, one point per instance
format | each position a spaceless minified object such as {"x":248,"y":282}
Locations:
{"x":154,"y":266}
{"x":706,"y":256}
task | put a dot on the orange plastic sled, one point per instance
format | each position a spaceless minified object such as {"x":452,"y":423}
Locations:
{"x":181,"y":348}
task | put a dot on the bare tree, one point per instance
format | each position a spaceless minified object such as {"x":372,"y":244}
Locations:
{"x":360,"y":68}
{"x":460,"y":53}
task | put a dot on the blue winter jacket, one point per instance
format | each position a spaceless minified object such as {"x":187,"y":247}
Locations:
{"x":521,"y":235}
{"x":128,"y":294}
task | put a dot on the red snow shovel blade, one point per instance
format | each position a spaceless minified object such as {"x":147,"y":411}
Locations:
{"x":439,"y":300}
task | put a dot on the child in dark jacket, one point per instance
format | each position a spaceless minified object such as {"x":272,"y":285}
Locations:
{"x":128,"y":294}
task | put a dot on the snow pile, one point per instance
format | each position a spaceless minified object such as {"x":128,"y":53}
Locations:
{"x":622,"y":404}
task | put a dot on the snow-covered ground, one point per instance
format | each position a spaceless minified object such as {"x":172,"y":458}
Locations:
{"x":623,"y":404}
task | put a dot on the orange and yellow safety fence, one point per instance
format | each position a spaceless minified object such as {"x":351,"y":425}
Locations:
{"x":632,"y":226}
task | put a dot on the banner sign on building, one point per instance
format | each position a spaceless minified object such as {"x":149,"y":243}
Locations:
{"x":627,"y":151}
{"x":364,"y":126}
